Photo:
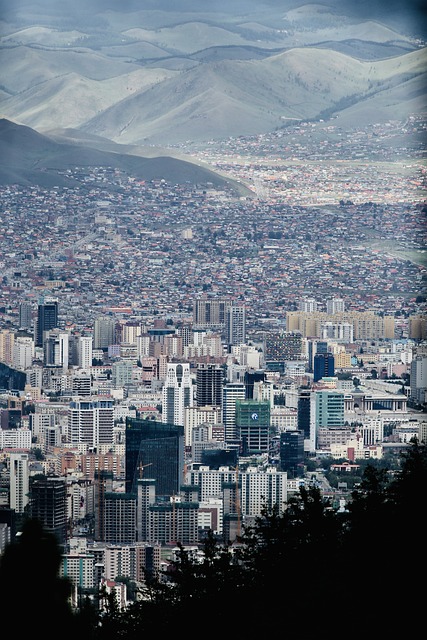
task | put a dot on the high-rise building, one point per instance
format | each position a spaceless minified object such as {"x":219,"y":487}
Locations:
{"x":231,"y":392}
{"x":308,"y":305}
{"x":314,"y":346}
{"x":23,"y":352}
{"x":48,"y":504}
{"x":283,"y":345}
{"x":209,"y":382}
{"x":326,"y":411}
{"x":47,"y":319}
{"x":324,"y":366}
{"x":303,"y":412}
{"x":210,"y":313}
{"x":25,"y":315}
{"x":19,"y":481}
{"x":56,"y":348}
{"x":235,"y":324}
{"x":91,"y":422}
{"x":253,"y":425}
{"x":104,"y":332}
{"x":121,"y":373}
{"x":84,"y":355}
{"x":419,"y":379}
{"x":292,"y":453}
{"x":335,"y":305}
{"x":103,"y":485}
{"x":120,"y":518}
{"x":177,"y":393}
{"x":154,"y":450}
{"x":250,"y":378}
{"x":7,"y":342}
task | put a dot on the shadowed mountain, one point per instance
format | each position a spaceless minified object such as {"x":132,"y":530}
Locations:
{"x":30,"y":158}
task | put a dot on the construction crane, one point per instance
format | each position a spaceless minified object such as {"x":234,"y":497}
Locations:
{"x":141,"y":468}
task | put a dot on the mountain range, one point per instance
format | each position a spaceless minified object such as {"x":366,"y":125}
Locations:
{"x":169,"y":74}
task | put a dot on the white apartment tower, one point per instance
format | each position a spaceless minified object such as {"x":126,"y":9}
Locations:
{"x":23,"y":353}
{"x":91,"y":423}
{"x":177,"y":393}
{"x":308,"y":304}
{"x":231,"y":392}
{"x":19,"y":481}
{"x":85,"y":344}
{"x":235,"y":324}
{"x":336,"y":305}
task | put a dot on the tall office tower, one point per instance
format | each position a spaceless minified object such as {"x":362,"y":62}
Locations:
{"x":103,"y":485}
{"x":104,"y":332}
{"x":48,"y":504}
{"x":120,"y":518}
{"x":235,"y":324}
{"x":303,"y":412}
{"x":250,"y":378}
{"x":47,"y":319}
{"x":209,"y":382}
{"x":324,"y":366}
{"x":23,"y":353}
{"x":84,"y":356}
{"x":231,"y":392}
{"x":56,"y":348}
{"x":292,"y":453}
{"x":314,"y":345}
{"x":91,"y":422}
{"x":25,"y":315}
{"x":19,"y":481}
{"x":326,"y":411}
{"x":419,"y":379}
{"x":307,"y":304}
{"x":177,"y":393}
{"x":154,"y":450}
{"x":336,"y":305}
{"x":253,"y":424}
{"x":210,"y":313}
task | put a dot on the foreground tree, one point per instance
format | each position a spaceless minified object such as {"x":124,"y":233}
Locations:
{"x":305,"y":571}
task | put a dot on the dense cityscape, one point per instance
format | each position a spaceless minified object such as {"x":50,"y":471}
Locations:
{"x":174,"y":357}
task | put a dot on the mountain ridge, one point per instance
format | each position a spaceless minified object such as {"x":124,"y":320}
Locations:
{"x":150,"y":74}
{"x":28,"y":157}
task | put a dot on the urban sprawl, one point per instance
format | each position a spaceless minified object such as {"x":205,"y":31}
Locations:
{"x":175,"y":357}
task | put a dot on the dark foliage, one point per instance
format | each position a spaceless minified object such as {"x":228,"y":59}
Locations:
{"x":300,"y":571}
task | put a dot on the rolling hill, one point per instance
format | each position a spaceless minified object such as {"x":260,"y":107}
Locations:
{"x":149,"y":74}
{"x":30,"y":158}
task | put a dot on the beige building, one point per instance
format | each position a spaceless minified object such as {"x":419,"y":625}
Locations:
{"x":366,"y":324}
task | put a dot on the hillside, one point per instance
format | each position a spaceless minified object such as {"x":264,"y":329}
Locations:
{"x":28,"y":157}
